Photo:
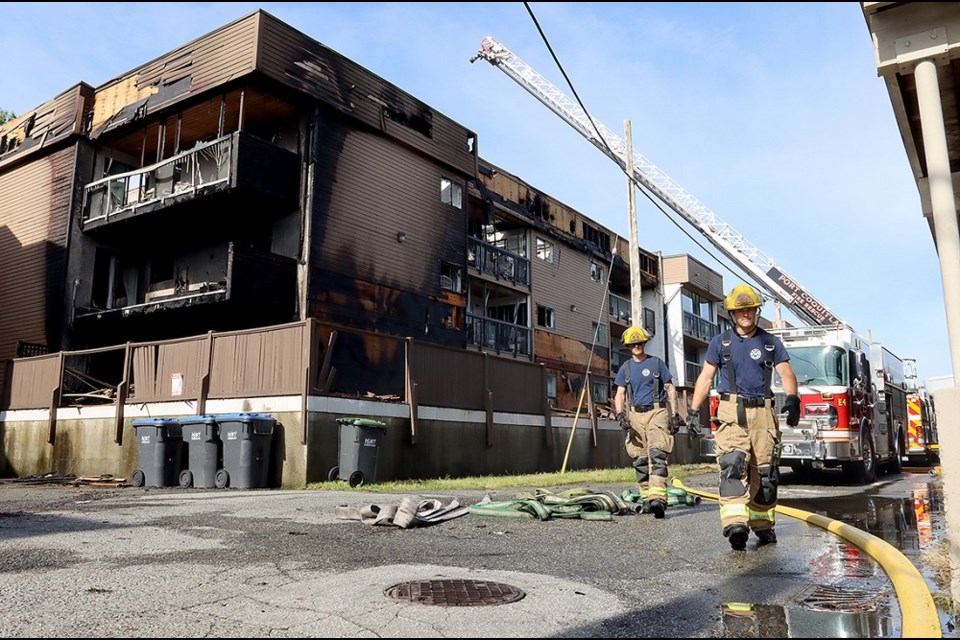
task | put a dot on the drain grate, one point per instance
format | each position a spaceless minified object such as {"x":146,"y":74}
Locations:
{"x":823,"y":598}
{"x":454,"y":593}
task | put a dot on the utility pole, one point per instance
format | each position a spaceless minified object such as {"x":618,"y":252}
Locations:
{"x":636,"y":298}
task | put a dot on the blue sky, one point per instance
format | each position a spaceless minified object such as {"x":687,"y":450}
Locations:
{"x":770,"y":114}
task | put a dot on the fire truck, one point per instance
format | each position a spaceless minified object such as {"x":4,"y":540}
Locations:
{"x":922,"y":446}
{"x":853,"y":403}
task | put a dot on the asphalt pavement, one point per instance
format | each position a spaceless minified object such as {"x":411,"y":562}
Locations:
{"x":171,"y":562}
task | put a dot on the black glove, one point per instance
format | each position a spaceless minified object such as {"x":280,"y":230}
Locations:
{"x":791,"y":407}
{"x":674,"y":423}
{"x":693,"y":422}
{"x":623,"y":420}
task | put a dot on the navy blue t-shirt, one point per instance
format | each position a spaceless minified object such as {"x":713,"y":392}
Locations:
{"x":748,"y":357}
{"x":642,"y":380}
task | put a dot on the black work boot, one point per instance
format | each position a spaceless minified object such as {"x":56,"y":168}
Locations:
{"x":737,"y":534}
{"x":657,"y":508}
{"x":767,"y":536}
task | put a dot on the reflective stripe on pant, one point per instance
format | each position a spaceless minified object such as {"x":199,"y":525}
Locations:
{"x":649,"y":442}
{"x":748,"y":477}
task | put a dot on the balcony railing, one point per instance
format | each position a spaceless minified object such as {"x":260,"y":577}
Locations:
{"x":497,"y":335}
{"x":698,"y":327}
{"x":621,"y":309}
{"x":691,"y":371}
{"x":188,"y":172}
{"x":498,"y":262}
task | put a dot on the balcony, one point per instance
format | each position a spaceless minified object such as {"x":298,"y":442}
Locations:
{"x":698,"y":327}
{"x":499,"y":263}
{"x":247,"y":278}
{"x":238,"y":162}
{"x":496,"y":335}
{"x":691,"y":371}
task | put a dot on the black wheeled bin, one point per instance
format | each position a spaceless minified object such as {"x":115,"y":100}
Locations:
{"x":159,"y":446}
{"x":204,"y":451}
{"x":359,"y":442}
{"x":246,"y":439}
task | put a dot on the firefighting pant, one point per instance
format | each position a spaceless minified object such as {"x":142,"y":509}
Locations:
{"x":648,"y":443}
{"x":749,"y":472}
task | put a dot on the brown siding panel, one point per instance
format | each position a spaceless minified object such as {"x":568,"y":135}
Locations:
{"x":368,"y":190}
{"x":34,"y":204}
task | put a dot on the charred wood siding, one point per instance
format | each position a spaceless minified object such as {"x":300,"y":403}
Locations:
{"x":46,"y":126}
{"x":367,"y":191}
{"x":298,"y":61}
{"x":34,"y":212}
{"x":206,"y":63}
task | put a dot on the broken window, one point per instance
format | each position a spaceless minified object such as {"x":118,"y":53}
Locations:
{"x":450,"y":277}
{"x":451,"y":193}
{"x":546,"y":317}
{"x":545,"y":250}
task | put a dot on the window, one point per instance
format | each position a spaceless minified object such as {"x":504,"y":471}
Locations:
{"x":698,"y":306}
{"x":551,"y":385}
{"x":649,"y":321}
{"x":600,"y":334}
{"x":546,"y":317}
{"x":545,"y":250}
{"x":596,"y":272}
{"x":450,"y":279}
{"x":600,"y":391}
{"x":597,"y":237}
{"x":451,"y":193}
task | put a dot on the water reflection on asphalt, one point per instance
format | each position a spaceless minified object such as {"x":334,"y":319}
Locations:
{"x":851,"y":596}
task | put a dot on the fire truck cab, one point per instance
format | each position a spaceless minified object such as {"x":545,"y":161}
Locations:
{"x":852,"y":414}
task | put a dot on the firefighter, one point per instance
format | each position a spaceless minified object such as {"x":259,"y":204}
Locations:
{"x":748,"y":434}
{"x":646,"y":405}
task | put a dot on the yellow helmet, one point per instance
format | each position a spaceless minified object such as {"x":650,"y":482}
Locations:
{"x":634,"y":335}
{"x":742,"y":297}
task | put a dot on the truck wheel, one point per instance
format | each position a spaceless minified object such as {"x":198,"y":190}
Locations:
{"x":863,"y":471}
{"x":896,"y":457}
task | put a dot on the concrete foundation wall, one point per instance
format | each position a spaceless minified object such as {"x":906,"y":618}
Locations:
{"x":449,"y":442}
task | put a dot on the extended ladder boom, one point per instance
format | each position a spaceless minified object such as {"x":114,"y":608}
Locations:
{"x":724,"y":237}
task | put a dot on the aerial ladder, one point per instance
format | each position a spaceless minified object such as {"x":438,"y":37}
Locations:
{"x":785,"y":289}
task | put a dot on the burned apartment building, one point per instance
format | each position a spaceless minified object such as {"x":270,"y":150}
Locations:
{"x":254,"y":181}
{"x":254,"y":177}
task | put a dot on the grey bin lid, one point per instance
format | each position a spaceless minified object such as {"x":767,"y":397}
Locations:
{"x":362,"y":422}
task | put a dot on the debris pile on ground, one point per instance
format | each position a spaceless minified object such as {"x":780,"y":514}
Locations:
{"x":103,"y":480}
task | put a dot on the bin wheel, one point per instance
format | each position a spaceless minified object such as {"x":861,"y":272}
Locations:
{"x":186,"y":478}
{"x":138,"y":479}
{"x":222,"y":479}
{"x":356,"y":479}
{"x":334,"y":474}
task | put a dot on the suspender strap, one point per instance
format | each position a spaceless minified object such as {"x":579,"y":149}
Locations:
{"x":768,"y":348}
{"x":727,"y":358}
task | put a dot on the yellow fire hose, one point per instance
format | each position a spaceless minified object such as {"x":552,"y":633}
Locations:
{"x":919,"y":613}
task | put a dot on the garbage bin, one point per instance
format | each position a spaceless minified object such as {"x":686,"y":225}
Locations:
{"x":204,"y":452}
{"x":159,"y":445}
{"x":359,"y":442}
{"x":245,"y":438}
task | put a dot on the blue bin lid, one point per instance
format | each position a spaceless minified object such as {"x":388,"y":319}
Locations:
{"x":245,"y":417}
{"x":362,"y":422}
{"x":154,"y":422}
{"x":199,"y":420}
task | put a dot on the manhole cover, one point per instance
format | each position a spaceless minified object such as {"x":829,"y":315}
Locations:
{"x":823,"y":598}
{"x":454,"y":593}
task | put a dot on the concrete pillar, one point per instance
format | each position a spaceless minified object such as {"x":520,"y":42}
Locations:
{"x":942,"y":199}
